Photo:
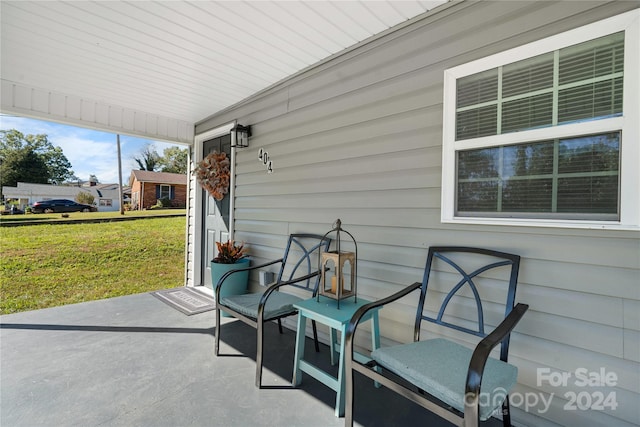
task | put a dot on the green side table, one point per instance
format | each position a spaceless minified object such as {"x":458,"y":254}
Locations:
{"x":325,"y":311}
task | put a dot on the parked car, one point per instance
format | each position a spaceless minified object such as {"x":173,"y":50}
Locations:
{"x":61,"y":205}
{"x":13,"y":210}
{"x":16,"y":211}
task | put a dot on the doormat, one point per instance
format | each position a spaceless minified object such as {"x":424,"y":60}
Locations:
{"x":186,"y":300}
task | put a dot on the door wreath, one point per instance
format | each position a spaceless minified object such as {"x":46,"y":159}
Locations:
{"x":213,"y":174}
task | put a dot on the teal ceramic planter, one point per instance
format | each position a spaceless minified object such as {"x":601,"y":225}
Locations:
{"x":236,"y":284}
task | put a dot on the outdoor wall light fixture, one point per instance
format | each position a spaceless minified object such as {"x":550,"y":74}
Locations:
{"x":240,"y":136}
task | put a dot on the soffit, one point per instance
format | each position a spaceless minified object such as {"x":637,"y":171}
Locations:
{"x":181,"y":60}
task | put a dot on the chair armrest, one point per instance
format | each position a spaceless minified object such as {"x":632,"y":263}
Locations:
{"x":481,"y":354}
{"x":274,"y":287}
{"x":355,"y":319}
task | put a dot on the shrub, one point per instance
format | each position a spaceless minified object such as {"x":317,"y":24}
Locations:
{"x":85,"y":198}
{"x":165,"y":202}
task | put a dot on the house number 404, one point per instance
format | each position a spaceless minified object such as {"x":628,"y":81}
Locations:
{"x":263,"y":157}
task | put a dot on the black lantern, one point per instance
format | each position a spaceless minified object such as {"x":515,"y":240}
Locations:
{"x":240,"y":136}
{"x":338,"y":268}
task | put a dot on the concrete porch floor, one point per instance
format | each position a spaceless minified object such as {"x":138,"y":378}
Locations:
{"x":135,"y":361}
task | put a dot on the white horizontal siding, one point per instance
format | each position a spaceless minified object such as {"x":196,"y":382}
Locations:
{"x":359,"y":138}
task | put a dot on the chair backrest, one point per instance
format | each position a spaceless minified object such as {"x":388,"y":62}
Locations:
{"x":460,"y":272}
{"x":301,"y":258}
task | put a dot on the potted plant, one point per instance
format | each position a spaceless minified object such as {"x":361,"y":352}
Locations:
{"x":230,"y":252}
{"x":231,"y":256}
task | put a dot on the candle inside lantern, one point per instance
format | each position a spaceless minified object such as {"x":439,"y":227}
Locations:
{"x":334,"y":286}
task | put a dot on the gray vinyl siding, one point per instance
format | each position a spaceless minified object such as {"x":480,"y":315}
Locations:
{"x":359,"y":137}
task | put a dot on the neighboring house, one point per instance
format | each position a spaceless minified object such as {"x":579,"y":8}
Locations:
{"x":507,"y":125}
{"x":106,"y":196}
{"x":147,"y":187}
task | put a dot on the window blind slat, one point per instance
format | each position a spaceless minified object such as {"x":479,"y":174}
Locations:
{"x":602,"y":99}
{"x":476,"y":123}
{"x":477,"y":88}
{"x":593,"y":195}
{"x":595,"y":58}
{"x":527,"y":113}
{"x":527,"y":76}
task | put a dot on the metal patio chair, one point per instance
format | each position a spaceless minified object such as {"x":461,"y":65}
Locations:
{"x":298,"y":272}
{"x":441,"y":368}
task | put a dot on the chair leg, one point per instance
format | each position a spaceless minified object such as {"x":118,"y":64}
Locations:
{"x":259,"y":351}
{"x":349,"y":394}
{"x":315,"y":335}
{"x":280,"y":325}
{"x":217,"y":349}
{"x":506,"y":413}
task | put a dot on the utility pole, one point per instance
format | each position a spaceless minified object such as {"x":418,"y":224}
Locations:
{"x":120,"y":176}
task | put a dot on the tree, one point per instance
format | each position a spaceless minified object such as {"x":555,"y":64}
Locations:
{"x":149,"y":158}
{"x":23,"y":165}
{"x":31,"y":158}
{"x":174,"y":160}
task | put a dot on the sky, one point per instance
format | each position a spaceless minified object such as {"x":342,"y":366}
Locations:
{"x":90,"y":152}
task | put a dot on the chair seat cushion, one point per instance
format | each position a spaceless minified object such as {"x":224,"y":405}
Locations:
{"x":440,"y":366}
{"x":278,"y":304}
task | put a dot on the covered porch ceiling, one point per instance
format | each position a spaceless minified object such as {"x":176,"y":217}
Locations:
{"x":156,"y":68}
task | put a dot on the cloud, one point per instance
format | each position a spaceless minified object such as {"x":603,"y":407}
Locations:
{"x":89,"y":156}
{"x":90,"y":152}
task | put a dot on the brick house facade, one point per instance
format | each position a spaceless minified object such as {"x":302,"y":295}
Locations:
{"x":147,"y":187}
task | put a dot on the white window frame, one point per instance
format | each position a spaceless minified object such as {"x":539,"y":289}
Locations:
{"x":629,"y":123}
{"x":164,"y":187}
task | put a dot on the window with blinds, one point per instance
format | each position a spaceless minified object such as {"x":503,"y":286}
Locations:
{"x":575,"y":177}
{"x":581,"y":82}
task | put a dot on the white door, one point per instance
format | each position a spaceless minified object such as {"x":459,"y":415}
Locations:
{"x":215,"y":213}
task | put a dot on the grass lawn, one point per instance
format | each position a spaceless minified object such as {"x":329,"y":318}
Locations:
{"x":47,"y":265}
{"x":73,"y":216}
